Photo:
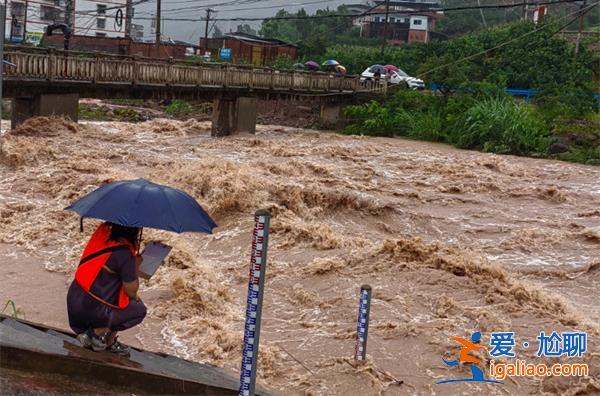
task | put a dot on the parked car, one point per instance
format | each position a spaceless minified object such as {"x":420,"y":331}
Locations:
{"x":395,"y":78}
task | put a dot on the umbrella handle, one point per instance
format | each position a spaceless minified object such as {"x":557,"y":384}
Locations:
{"x":140,"y":240}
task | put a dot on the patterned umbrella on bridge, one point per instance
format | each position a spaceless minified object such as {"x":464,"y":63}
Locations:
{"x":298,"y":66}
{"x":377,"y":69}
{"x":340,"y":69}
{"x":391,"y":68}
{"x":312,"y":65}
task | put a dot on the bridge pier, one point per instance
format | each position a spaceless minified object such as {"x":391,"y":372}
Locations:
{"x":231,"y":116}
{"x":63,"y":105}
{"x":331,"y":115}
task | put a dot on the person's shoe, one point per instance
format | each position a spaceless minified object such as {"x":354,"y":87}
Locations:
{"x":90,"y":340}
{"x":117,"y":348}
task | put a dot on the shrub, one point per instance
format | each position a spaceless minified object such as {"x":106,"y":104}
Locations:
{"x":282,"y":62}
{"x":406,"y":113}
{"x":427,"y":126}
{"x":370,"y":119}
{"x":178,"y":108}
{"x":503,"y":126}
{"x":585,"y":155}
{"x":564,"y":102}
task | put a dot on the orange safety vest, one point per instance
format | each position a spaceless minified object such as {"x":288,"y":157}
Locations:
{"x":94,"y":257}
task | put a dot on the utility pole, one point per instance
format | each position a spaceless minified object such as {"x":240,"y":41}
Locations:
{"x":157,"y":29}
{"x":525,"y":8}
{"x":128,"y":18}
{"x":581,"y":13}
{"x":385,"y":27}
{"x":25,"y":20}
{"x":68,"y":14}
{"x":205,"y":46}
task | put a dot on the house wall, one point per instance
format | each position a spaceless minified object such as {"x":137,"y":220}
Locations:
{"x":36,"y":13}
{"x":95,"y":22}
{"x":117,"y":46}
{"x":418,"y":36}
{"x":242,"y":50}
{"x":41,"y":13}
{"x":418,"y":22}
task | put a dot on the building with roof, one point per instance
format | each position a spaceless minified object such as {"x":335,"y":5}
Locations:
{"x":99,"y":18}
{"x":248,"y":48}
{"x":26,"y":20}
{"x":29,"y":18}
{"x":410,"y":21}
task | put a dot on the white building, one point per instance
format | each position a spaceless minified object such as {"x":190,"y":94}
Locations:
{"x":30,"y":18}
{"x":27,"y":19}
{"x":100,"y":18}
{"x":409,"y":20}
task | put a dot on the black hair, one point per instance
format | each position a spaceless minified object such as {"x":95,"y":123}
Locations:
{"x":119,"y":232}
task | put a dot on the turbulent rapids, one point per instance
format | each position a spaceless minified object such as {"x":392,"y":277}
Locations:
{"x":448,"y":239}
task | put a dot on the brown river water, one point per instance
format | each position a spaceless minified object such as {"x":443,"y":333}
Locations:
{"x":451,"y":242}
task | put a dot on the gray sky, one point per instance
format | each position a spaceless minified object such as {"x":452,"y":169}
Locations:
{"x":196,"y":9}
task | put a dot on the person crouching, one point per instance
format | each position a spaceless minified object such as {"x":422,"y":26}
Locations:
{"x":102,"y":299}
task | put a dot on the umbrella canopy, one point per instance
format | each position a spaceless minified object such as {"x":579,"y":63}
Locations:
{"x":378,"y":69}
{"x":391,"y":67}
{"x":298,"y":66}
{"x":331,"y":62}
{"x":140,"y":203}
{"x":312,"y":65}
{"x":340,"y":69}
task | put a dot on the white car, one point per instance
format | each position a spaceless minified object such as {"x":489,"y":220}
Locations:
{"x":395,"y":78}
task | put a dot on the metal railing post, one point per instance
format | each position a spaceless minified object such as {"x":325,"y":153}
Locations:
{"x":256,"y":284}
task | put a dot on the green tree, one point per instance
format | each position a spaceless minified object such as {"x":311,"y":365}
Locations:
{"x":217,"y":32}
{"x":245,"y":28}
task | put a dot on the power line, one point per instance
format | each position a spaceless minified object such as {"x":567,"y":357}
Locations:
{"x":187,"y":9}
{"x":325,"y":32}
{"x":181,"y":8}
{"x":430,"y":9}
{"x":327,"y":16}
{"x":582,"y":11}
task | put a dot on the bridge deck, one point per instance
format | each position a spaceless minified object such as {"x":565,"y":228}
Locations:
{"x":99,"y":75}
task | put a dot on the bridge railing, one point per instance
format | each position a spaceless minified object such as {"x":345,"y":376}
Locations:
{"x":52,"y":65}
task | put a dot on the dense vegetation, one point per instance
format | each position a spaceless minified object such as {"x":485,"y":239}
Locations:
{"x":313,"y":36}
{"x":473,"y":111}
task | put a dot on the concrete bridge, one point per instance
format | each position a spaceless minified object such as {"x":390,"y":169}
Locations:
{"x":46,"y":81}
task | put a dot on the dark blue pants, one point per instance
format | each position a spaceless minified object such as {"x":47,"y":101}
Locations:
{"x":85,"y":312}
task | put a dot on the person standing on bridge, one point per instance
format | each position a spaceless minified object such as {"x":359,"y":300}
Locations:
{"x":102,"y":299}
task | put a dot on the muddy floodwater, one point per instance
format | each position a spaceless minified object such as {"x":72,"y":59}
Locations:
{"x":451,"y":242}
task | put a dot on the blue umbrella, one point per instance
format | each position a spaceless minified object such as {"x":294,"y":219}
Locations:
{"x":140,"y":203}
{"x":331,"y":62}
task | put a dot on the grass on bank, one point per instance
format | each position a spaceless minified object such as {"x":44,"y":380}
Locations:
{"x":490,"y":122}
